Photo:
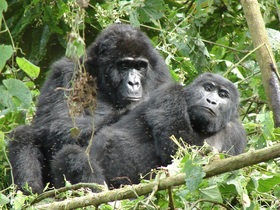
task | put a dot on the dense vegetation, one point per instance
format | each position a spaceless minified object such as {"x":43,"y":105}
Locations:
{"x":193,"y":36}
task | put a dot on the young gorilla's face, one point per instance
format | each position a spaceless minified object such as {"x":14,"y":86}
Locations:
{"x":213,"y":103}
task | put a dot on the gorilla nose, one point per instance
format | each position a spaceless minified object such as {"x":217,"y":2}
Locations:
{"x":211,"y":101}
{"x":131,"y":83}
{"x":134,"y":85}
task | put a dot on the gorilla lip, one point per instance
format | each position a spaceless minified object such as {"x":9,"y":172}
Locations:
{"x":208,"y":110}
{"x":133,"y":98}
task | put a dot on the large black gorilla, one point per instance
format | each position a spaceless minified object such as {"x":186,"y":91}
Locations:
{"x":205,"y":110}
{"x":127,"y":69}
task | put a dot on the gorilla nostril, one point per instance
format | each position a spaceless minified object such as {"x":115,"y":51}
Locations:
{"x":130,"y":83}
{"x":210,"y":101}
{"x":133,"y":84}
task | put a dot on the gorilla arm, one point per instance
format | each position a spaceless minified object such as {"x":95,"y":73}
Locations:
{"x":167,"y":115}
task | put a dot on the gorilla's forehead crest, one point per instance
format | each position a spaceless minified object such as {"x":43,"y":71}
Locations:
{"x":222,"y":81}
{"x":123,"y":40}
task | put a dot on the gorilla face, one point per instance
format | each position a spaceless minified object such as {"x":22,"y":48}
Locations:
{"x":213,"y":105}
{"x":126,"y":65}
{"x":127,"y":79}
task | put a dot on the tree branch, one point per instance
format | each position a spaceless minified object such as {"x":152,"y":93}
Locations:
{"x":133,"y":191}
{"x":264,"y":56}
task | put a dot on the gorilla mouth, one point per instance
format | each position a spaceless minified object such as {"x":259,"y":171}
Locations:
{"x":133,"y":98}
{"x":208,"y":110}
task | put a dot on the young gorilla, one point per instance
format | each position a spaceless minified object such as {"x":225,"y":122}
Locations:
{"x":126,"y":67}
{"x":205,"y":110}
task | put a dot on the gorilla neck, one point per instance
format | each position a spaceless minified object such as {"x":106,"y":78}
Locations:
{"x":204,"y":126}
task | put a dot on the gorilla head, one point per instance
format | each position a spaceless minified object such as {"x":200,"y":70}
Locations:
{"x":126,"y":64}
{"x":213,"y":103}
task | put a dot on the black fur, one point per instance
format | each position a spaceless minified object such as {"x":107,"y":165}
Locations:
{"x":204,"y":110}
{"x":126,"y":67}
{"x":26,"y":158}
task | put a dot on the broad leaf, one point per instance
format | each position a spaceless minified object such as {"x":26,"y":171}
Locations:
{"x":13,"y":92}
{"x":30,"y":69}
{"x":194,"y":175}
{"x":152,"y":10}
{"x":267,"y":183}
{"x":212,"y":193}
{"x":3,"y":8}
{"x":6,"y":51}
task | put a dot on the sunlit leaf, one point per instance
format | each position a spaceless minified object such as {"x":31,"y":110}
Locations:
{"x":133,"y":19}
{"x":3,"y":8}
{"x":3,"y":199}
{"x":6,"y":51}
{"x":266,"y":120}
{"x":29,"y":68}
{"x":212,"y":193}
{"x":267,"y":183}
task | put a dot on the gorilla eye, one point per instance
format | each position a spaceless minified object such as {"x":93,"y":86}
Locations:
{"x":141,"y":65}
{"x":224,"y":94}
{"x":209,"y":87}
{"x":123,"y":65}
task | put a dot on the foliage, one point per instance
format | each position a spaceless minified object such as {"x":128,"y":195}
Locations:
{"x":193,"y":36}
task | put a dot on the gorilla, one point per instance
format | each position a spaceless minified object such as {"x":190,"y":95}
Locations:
{"x":126,"y":68}
{"x":205,"y":110}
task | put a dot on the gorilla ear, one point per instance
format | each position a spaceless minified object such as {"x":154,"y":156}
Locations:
{"x":91,"y":60}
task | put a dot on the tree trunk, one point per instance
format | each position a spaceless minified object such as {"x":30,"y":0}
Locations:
{"x":215,"y":168}
{"x":265,"y":58}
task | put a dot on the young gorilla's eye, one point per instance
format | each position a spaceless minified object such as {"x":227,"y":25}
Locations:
{"x":209,"y":87}
{"x":224,"y":94}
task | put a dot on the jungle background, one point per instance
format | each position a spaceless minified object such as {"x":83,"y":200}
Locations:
{"x":194,"y":36}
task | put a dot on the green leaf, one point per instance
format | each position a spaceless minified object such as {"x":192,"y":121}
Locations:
{"x":267,"y":183}
{"x":133,"y":19}
{"x":212,"y":193}
{"x":75,"y":131}
{"x":194,"y":175}
{"x":3,"y":199}
{"x":6,"y":51}
{"x":40,"y":38}
{"x":3,"y":8}
{"x":266,"y":120}
{"x":30,"y":69}
{"x":152,"y":10}
{"x":13,"y":90}
{"x":24,"y":20}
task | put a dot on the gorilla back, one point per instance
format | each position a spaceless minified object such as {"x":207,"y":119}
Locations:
{"x":205,"y":110}
{"x":127,"y":69}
